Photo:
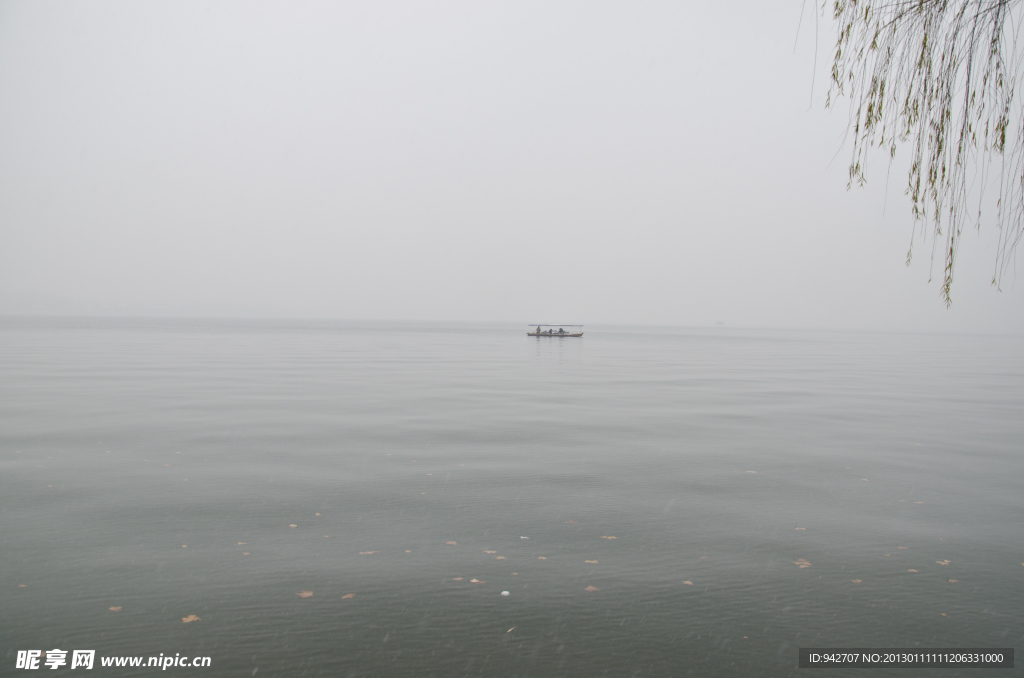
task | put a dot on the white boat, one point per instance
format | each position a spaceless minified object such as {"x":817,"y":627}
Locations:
{"x":556,"y":331}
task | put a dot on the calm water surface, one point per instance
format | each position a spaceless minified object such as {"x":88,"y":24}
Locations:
{"x":217,"y":469}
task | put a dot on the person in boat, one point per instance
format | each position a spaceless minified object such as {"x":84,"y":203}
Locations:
{"x":561,"y":331}
{"x":538,"y":329}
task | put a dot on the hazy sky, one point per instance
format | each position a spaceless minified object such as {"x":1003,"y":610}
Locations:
{"x":635,"y":162}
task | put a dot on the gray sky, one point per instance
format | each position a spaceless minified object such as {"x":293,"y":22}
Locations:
{"x":635,"y":162}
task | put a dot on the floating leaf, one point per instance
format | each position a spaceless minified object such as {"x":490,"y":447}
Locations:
{"x":327,"y":536}
{"x":190,"y":618}
{"x":241,"y":543}
{"x":570,"y":522}
{"x":451,"y":543}
{"x":21,"y":586}
{"x":592,"y":562}
{"x":348,"y":595}
{"x":942,"y":562}
{"x":477,"y":581}
{"x":703,"y":557}
{"x":490,"y":551}
{"x":919,"y":502}
{"x":408,"y":551}
{"x":500,"y":558}
{"x":857,"y":581}
{"x":246,"y":553}
{"x":368,"y":553}
{"x":953,"y":581}
{"x":688,"y":582}
{"x":865,"y":480}
{"x":888,"y":555}
{"x":944,"y":614}
{"x":591,"y":589}
{"x":801,"y":563}
{"x":609,"y":537}
{"x":293,"y":525}
{"x":802,"y":528}
{"x":184,"y":546}
{"x":318,"y":514}
{"x":305,"y":594}
{"x":456,"y":578}
{"x":115,"y":609}
{"x":542,"y":558}
{"x":515,"y":574}
{"x":911,"y":570}
{"x":511,"y":629}
{"x":903,"y":547}
{"x":751,"y":471}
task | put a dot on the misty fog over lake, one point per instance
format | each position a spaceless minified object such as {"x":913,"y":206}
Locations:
{"x":267,"y":394}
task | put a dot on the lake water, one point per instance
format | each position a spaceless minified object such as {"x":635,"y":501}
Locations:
{"x":681,"y":472}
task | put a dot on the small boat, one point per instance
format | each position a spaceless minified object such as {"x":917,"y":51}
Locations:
{"x":556,"y":331}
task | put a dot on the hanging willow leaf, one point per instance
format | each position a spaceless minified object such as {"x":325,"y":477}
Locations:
{"x":939,"y":75}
